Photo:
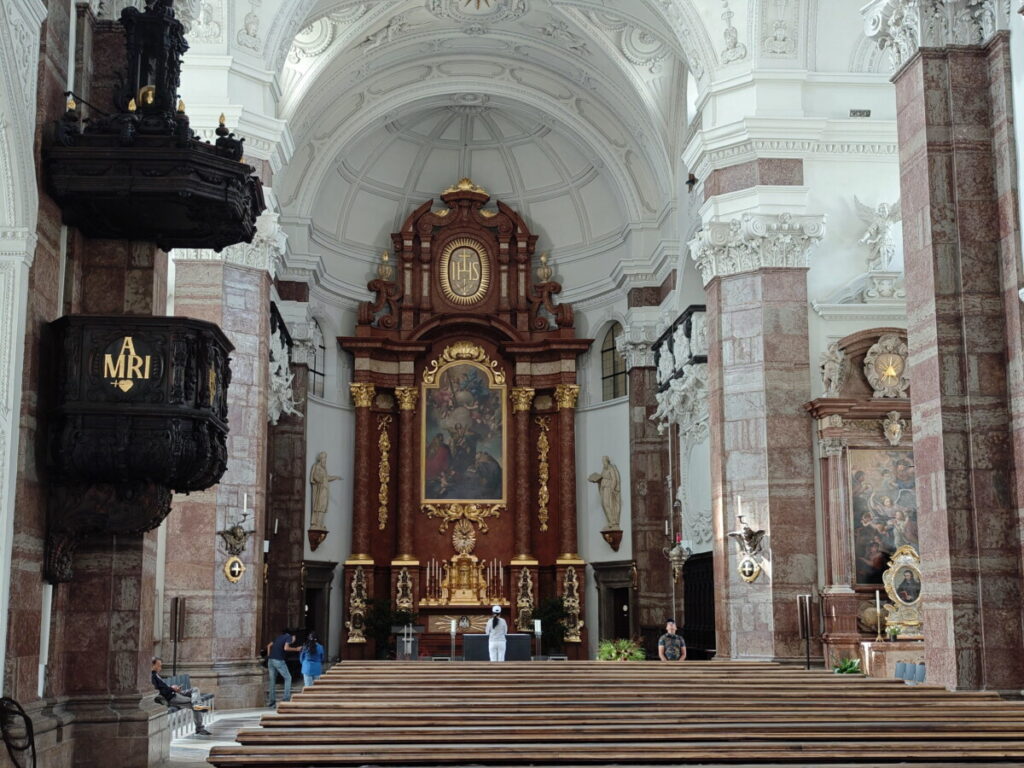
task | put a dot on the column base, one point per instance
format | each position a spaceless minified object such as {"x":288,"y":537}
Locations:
{"x":235,"y":684}
{"x":129,"y":731}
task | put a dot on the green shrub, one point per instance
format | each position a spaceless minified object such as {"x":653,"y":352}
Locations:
{"x":847,"y":666}
{"x":620,"y":650}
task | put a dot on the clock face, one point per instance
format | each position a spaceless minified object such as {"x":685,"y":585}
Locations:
{"x":889,"y":368}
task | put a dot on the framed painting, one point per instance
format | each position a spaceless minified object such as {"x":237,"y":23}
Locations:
{"x":883,"y":500}
{"x":463,"y":436}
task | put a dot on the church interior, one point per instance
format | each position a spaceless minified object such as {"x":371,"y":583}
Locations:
{"x":368,"y":318}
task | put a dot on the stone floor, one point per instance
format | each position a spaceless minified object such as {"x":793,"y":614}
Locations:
{"x":193,"y":750}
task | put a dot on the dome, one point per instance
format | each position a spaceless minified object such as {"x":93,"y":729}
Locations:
{"x":515,"y":155}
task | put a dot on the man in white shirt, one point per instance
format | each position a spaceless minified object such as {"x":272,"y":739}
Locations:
{"x":497,"y":629}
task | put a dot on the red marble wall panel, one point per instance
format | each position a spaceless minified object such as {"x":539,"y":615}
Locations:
{"x":776,"y":171}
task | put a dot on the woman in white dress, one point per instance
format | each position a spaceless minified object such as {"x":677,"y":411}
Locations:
{"x":497,"y":629}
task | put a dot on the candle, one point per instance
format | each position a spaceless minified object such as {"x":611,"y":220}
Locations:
{"x":453,"y":626}
{"x":666,"y":527}
{"x":878,"y":603}
{"x":245,"y":502}
{"x":739,"y":504}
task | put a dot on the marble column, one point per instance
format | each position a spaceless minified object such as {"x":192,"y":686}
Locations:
{"x":648,"y":469}
{"x":223,"y":623}
{"x":961,"y":235}
{"x":754,"y":269}
{"x":407,"y":397}
{"x":522,"y":400}
{"x":565,"y":398}
{"x":363,"y":494}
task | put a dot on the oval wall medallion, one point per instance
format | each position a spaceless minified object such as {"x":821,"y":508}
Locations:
{"x":465,"y":271}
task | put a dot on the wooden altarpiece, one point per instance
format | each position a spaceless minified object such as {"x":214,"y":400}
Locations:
{"x":464,"y":387}
{"x":867,"y":479}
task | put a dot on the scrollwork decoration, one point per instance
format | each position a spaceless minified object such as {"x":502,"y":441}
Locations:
{"x":356,"y":625}
{"x":571,"y":602}
{"x":543,"y":471}
{"x":524,"y":602}
{"x":383,"y":470}
{"x":403,"y":591}
{"x":475,"y":513}
{"x":462,"y":350}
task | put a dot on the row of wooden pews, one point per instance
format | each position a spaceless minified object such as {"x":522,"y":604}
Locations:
{"x":624,"y":713}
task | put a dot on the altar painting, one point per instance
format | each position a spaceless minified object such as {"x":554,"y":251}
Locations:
{"x":463,"y":457}
{"x":883,"y":500}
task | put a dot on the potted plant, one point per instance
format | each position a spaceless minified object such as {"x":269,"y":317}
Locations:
{"x":847,"y":666}
{"x":552,"y":614}
{"x":893,"y":631}
{"x":380,"y":617}
{"x":620,"y":650}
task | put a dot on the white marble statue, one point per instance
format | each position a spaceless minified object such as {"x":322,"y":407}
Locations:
{"x":281,"y":398}
{"x":880,"y":235}
{"x":321,"y":496}
{"x":609,"y":485}
{"x":833,"y":369}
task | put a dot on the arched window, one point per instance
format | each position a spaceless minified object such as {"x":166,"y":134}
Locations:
{"x":316,"y":365}
{"x":613,"y":366}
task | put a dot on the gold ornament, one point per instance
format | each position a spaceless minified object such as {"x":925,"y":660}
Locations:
{"x":522,"y":398}
{"x":407,"y":397}
{"x":384,"y":270}
{"x":566,"y":395}
{"x":464,"y":271}
{"x":465,"y":185}
{"x":357,"y":608}
{"x":475,"y":513}
{"x":544,"y":271}
{"x":383,"y":471}
{"x":543,"y":495}
{"x":463,"y":350}
{"x":524,"y":602}
{"x":362,"y":394}
{"x":463,"y":537}
{"x":403,"y":590}
{"x":571,"y":601}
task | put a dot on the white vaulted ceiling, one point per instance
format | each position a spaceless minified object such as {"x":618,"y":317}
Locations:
{"x":571,"y":113}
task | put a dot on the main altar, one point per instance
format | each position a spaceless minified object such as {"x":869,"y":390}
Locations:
{"x":464,"y":387}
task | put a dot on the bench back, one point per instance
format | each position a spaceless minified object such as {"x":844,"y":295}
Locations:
{"x":181,"y":680}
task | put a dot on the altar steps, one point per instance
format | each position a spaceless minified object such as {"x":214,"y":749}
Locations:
{"x":599,"y":713}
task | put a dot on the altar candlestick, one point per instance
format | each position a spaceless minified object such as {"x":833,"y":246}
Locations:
{"x":878,"y":614}
{"x":501,"y":579}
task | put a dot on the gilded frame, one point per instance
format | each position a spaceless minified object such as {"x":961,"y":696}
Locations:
{"x":450,"y":508}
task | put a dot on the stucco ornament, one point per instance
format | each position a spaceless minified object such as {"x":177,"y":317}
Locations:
{"x":880,"y":236}
{"x":750,"y":242}
{"x":834,"y":367}
{"x":281,"y":399}
{"x":609,"y":485}
{"x":900,"y":27}
{"x":893,"y":427}
{"x":885,"y":367}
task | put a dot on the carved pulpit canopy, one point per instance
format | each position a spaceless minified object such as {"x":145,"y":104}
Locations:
{"x":467,"y":258}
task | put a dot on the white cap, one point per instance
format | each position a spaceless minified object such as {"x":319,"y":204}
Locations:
{"x":495,"y":609}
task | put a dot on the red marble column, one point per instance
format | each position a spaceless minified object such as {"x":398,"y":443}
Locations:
{"x":363,"y":495}
{"x":223,"y":626}
{"x":522,"y":399}
{"x":565,"y":398}
{"x":963,"y":266}
{"x":761,"y":449}
{"x":406,"y":397}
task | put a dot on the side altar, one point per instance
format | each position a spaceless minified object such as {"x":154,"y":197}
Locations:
{"x":464,"y":386}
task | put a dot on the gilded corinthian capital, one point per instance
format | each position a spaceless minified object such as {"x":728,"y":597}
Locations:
{"x":362,"y":394}
{"x":566,"y":395}
{"x":522,"y":398}
{"x":407,"y":397}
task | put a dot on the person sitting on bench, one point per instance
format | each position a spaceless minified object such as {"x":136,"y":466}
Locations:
{"x":173,"y":696}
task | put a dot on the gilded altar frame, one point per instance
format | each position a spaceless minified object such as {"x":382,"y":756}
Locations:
{"x":463,"y":354}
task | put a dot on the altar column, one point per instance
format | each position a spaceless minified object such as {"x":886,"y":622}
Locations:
{"x":362,"y":497}
{"x":522,"y":400}
{"x":565,"y":398}
{"x":407,"y":397}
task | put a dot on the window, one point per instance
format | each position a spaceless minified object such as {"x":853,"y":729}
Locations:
{"x":613,"y":366}
{"x":316,"y":365}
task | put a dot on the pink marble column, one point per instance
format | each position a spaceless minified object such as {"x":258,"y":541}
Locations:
{"x":761,"y":449}
{"x":962,"y":254}
{"x":223,"y":622}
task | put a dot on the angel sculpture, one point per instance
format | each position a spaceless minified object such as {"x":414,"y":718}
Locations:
{"x":748,"y":539}
{"x":880,"y":236}
{"x":235,"y":537}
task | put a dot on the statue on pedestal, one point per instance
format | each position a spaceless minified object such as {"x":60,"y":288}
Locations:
{"x":319,"y":479}
{"x":609,"y":485}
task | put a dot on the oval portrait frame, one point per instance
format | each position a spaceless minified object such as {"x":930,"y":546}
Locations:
{"x":485,"y":271}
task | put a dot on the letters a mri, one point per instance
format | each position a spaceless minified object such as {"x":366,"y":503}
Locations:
{"x":126,"y":366}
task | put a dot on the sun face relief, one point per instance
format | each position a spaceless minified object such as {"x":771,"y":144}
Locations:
{"x":889,"y":367}
{"x":464,"y":272}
